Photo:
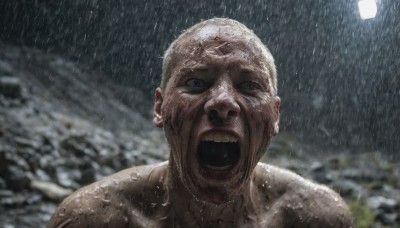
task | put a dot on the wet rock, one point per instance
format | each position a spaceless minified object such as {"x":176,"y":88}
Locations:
{"x":3,"y":162}
{"x":317,"y":167}
{"x":77,"y":145}
{"x":380,"y":202}
{"x":5,"y":193}
{"x":3,"y":184}
{"x":321,"y":173}
{"x":364,"y":174}
{"x":5,"y":68}
{"x":50,"y":190}
{"x":16,"y":178}
{"x":88,"y":174}
{"x":385,"y":209}
{"x":389,"y":218}
{"x":33,"y":199}
{"x":14,"y":200}
{"x":68,"y":177}
{"x":10,"y":87}
{"x":348,"y":189}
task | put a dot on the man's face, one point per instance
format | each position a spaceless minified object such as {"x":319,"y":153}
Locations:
{"x":218,"y":111}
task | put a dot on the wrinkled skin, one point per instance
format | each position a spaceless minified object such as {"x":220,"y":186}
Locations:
{"x":220,"y":85}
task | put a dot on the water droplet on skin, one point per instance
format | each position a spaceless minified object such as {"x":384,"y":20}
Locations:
{"x":106,"y":201}
{"x":133,"y":176}
{"x":165,"y":204}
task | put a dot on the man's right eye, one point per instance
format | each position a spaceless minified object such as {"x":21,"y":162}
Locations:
{"x":196,"y":83}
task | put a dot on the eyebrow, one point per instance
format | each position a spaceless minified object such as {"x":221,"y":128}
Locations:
{"x":248,"y":69}
{"x":198,"y":67}
{"x":194,"y":68}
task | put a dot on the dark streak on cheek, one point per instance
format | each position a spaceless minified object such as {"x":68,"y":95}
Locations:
{"x":177,"y":112}
{"x":261,"y":115}
{"x":172,"y":122}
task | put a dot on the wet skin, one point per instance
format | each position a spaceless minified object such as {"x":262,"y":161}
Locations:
{"x":219,"y":98}
{"x":219,"y":86}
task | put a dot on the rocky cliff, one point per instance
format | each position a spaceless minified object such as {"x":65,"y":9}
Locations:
{"x":61,"y":127}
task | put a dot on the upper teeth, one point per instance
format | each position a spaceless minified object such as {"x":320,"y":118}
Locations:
{"x":219,"y":137}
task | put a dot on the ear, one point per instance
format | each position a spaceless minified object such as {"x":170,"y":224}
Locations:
{"x":158,"y":100}
{"x":277,"y":109}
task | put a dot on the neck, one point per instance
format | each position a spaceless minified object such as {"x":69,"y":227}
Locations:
{"x":189,"y":211}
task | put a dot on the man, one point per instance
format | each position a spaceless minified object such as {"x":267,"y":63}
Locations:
{"x":219,"y":108}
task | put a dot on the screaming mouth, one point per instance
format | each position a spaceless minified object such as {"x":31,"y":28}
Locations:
{"x":218,"y":153}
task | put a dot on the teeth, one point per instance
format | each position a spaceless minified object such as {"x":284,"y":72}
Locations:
{"x":219,"y":137}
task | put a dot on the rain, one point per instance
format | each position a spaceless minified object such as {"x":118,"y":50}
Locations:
{"x":77,"y":81}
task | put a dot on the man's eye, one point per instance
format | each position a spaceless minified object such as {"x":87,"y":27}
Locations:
{"x":196,"y":83}
{"x":250,"y":86}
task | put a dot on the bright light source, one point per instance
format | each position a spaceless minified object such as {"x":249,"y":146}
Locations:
{"x":367,"y":8}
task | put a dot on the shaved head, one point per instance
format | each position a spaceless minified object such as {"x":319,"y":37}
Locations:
{"x":170,"y":59}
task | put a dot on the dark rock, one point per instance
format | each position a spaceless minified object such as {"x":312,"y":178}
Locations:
{"x":78,"y":145}
{"x":14,"y":200}
{"x":5,"y":193}
{"x":323,"y":177}
{"x":10,"y":87}
{"x":5,"y":68}
{"x":389,"y":218}
{"x":88,"y":176}
{"x":317,"y":167}
{"x":347,"y":189}
{"x":364,"y":174}
{"x":33,"y":199}
{"x":3,"y":162}
{"x":16,"y":178}
{"x":68,"y":178}
{"x":380,"y":202}
{"x":3,"y":184}
{"x":23,"y":142}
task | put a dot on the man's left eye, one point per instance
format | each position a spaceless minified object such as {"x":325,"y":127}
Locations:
{"x":250,"y":86}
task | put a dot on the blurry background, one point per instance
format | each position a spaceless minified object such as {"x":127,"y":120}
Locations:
{"x":100,"y":61}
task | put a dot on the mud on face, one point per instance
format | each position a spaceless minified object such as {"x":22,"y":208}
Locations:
{"x":218,"y":111}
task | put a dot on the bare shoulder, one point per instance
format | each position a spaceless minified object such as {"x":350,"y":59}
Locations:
{"x":111,"y":201}
{"x":303,"y":202}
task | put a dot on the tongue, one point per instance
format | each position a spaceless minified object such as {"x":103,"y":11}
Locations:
{"x":218,"y":154}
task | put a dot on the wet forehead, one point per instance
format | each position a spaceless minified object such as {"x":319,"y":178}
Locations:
{"x":214,"y":43}
{"x":211,"y":31}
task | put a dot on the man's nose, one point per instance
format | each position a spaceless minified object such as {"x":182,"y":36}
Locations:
{"x":222,"y":104}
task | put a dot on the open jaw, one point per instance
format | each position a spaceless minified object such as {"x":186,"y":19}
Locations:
{"x":218,"y":156}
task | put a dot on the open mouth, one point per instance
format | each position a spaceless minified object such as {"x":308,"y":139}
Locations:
{"x":218,"y":153}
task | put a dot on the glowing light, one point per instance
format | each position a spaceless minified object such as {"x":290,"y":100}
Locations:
{"x":367,"y":8}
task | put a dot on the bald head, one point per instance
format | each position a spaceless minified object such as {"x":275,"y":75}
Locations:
{"x":209,"y":29}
